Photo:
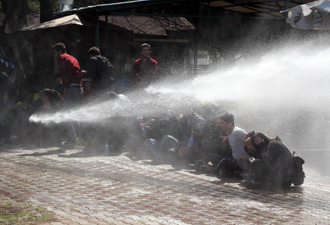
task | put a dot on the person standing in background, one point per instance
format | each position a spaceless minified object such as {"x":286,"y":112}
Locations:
{"x":100,"y":71}
{"x":69,"y":75}
{"x":144,"y":69}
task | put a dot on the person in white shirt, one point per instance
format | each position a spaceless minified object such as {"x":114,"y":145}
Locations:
{"x":239,"y":162}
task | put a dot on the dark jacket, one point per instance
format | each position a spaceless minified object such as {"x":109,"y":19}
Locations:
{"x":275,"y":164}
{"x":98,"y":72}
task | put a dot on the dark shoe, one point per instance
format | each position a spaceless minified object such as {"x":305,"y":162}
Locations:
{"x":69,"y":143}
{"x":206,"y":168}
{"x":223,"y":174}
{"x":198,"y":164}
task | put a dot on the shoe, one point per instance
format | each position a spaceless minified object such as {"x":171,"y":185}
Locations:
{"x":198,"y":164}
{"x":206,"y":168}
{"x":223,"y":174}
{"x":69,"y":143}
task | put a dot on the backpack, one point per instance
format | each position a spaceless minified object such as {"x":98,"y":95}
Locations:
{"x":298,"y":175}
{"x":108,"y":73}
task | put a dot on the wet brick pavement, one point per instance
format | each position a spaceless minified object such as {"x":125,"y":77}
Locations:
{"x":123,"y":189}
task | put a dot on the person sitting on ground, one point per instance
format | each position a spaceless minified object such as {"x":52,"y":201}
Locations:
{"x":15,"y":123}
{"x":191,"y":125}
{"x":239,"y":163}
{"x":274,"y":164}
{"x":213,"y":149}
{"x":113,"y":129}
{"x":163,"y":133}
{"x":52,"y":102}
{"x":118,"y":126}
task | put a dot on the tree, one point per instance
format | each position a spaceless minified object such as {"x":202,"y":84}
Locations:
{"x":46,"y":10}
{"x":15,"y":14}
{"x":12,"y":43}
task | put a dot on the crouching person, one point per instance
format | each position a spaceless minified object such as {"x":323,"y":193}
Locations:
{"x":162,"y":135}
{"x":239,"y":164}
{"x":274,"y":164}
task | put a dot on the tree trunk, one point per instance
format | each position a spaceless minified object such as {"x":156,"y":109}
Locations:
{"x":12,"y":44}
{"x":46,"y":10}
{"x":15,"y":13}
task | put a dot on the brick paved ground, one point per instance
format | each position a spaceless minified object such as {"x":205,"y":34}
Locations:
{"x":123,"y":189}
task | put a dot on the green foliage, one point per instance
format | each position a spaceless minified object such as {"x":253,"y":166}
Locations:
{"x":34,"y":6}
{"x":56,"y":5}
{"x":14,"y":213}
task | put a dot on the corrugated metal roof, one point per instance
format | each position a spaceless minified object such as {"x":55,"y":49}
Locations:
{"x":157,"y":26}
{"x":66,"y":20}
{"x":151,"y":25}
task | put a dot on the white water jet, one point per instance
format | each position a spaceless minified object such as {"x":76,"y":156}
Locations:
{"x":284,"y":92}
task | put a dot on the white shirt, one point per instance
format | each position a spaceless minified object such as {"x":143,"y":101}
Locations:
{"x":235,"y":139}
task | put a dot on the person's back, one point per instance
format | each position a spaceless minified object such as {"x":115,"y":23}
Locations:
{"x":274,"y":164}
{"x":280,"y":159}
{"x":100,"y":71}
{"x":69,"y":75}
{"x":277,"y":154}
{"x":95,"y":71}
{"x":69,"y":69}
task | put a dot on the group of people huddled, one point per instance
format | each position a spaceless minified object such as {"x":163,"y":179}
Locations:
{"x":208,"y":139}
{"x":204,"y":136}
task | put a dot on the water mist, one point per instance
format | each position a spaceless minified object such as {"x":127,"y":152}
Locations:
{"x":282,"y":92}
